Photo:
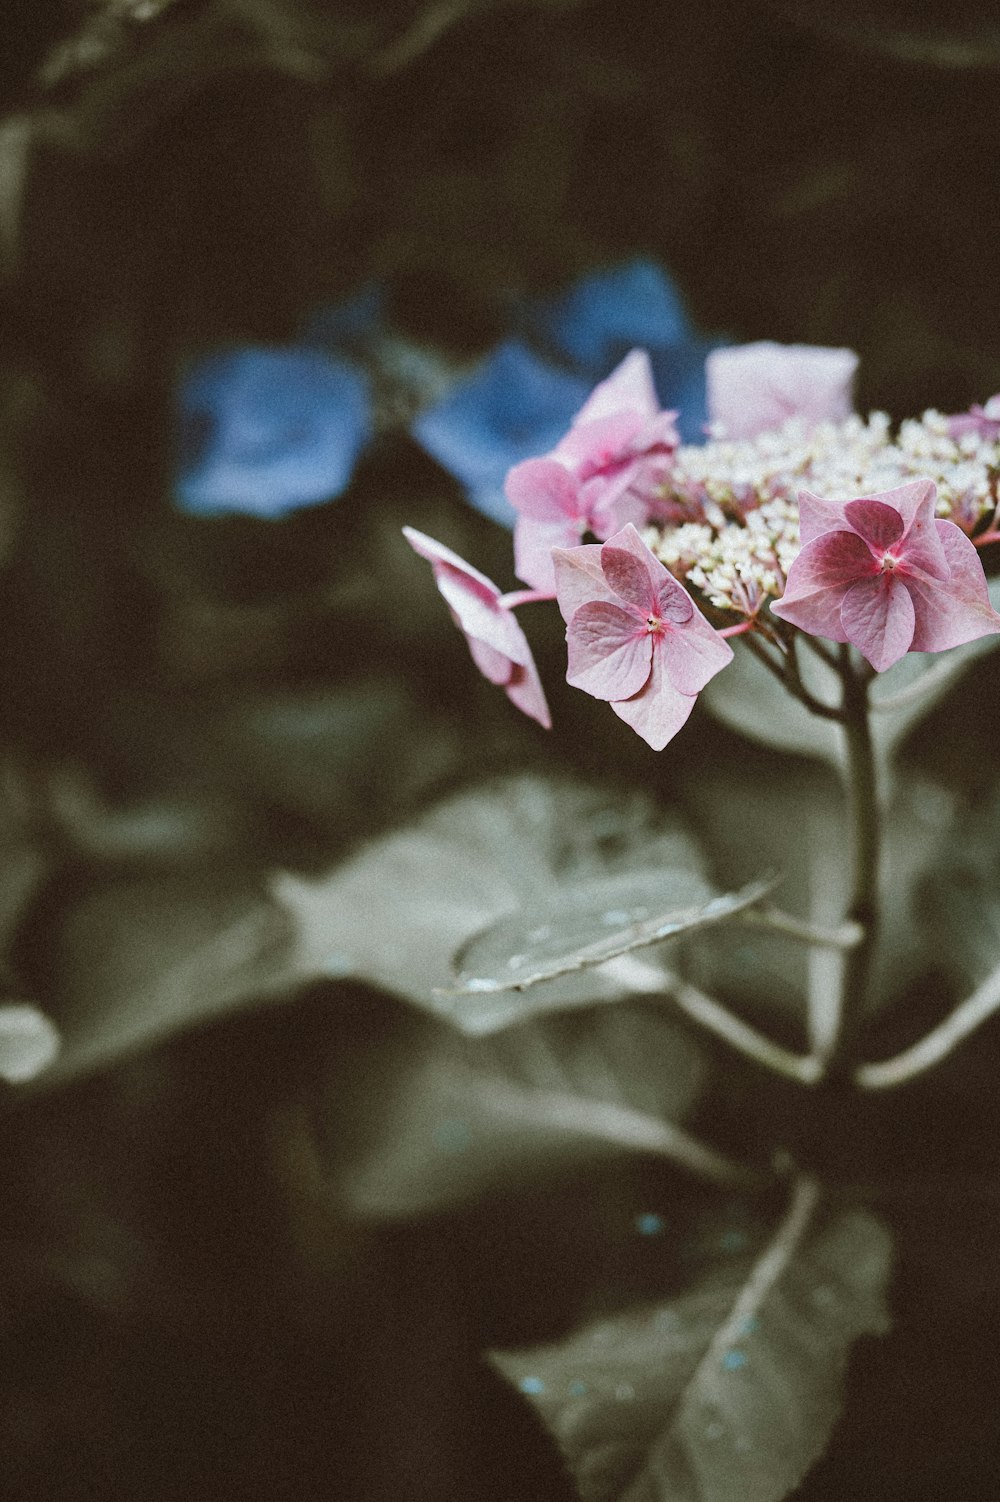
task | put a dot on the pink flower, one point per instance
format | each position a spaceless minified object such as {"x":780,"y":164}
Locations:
{"x":983,"y":421}
{"x":604,"y":473}
{"x":753,"y":387}
{"x":883,"y":573}
{"x":498,"y":645}
{"x":634,"y":635}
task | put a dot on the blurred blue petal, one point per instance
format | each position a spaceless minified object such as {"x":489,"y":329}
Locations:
{"x":679,"y":376}
{"x":595,"y":322}
{"x":513,"y":407}
{"x":263,"y":432}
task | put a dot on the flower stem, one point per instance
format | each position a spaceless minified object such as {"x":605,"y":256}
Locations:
{"x":864,"y":817}
{"x":524,"y":597}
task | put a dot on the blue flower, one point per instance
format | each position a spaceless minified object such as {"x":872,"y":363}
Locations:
{"x":265,"y":431}
{"x":594,"y":323}
{"x":512,"y":407}
{"x":518,"y":404}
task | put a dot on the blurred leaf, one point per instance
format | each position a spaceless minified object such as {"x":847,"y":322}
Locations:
{"x":729,"y":1391}
{"x":555,"y":938}
{"x":451,"y":1119}
{"x":750,"y":700}
{"x":748,"y":818}
{"x":396,"y":912}
{"x":28,"y":1042}
{"x":138,"y":959}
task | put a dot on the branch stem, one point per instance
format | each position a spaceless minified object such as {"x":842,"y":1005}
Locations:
{"x":715,"y":1018}
{"x":866,"y":839}
{"x":938,"y":1043}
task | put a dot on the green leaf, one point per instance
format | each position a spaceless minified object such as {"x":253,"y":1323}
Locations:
{"x":729,"y":1391}
{"x":626,"y":913}
{"x":395,"y":913}
{"x":749,"y":699}
{"x":140,"y":958}
{"x":441,"y":1120}
{"x":28,"y":1042}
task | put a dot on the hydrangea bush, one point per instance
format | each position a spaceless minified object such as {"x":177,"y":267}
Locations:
{"x":818,"y":577}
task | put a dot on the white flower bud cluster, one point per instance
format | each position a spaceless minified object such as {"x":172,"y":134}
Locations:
{"x":745,"y":494}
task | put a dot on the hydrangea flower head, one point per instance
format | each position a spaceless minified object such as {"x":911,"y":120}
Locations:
{"x":265,"y":431}
{"x":882,"y":573}
{"x":498,"y":646}
{"x":634,"y":635}
{"x":515,"y":405}
{"x":755,"y":387}
{"x":604,"y":472}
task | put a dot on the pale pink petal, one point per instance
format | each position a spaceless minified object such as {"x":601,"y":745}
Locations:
{"x":525,"y":692}
{"x":481,"y":617}
{"x":533,"y":544}
{"x":579,"y":578}
{"x":543,"y":489}
{"x":609,"y":651}
{"x":755,"y":387}
{"x":612,"y":502}
{"x":658,"y":710}
{"x":628,"y":577}
{"x":498,"y":646}
{"x":880,"y":525}
{"x":629,"y":388}
{"x":817,"y":516}
{"x":590,"y":448}
{"x":879,"y":619}
{"x":910,"y":500}
{"x":692,"y":654}
{"x":624,"y":577}
{"x":958,"y":610}
{"x":494,"y":665}
{"x":436,"y":552}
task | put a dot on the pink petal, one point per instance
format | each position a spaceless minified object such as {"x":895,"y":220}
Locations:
{"x":674,"y":604}
{"x":879,"y":619}
{"x":533,"y":544}
{"x":591,"y":448}
{"x":543,"y":489}
{"x":436,"y":552}
{"x":579,"y":578}
{"x":609,"y":651}
{"x":959,"y":609}
{"x":818,"y":580}
{"x":817,"y":516}
{"x":638,"y":581}
{"x":612,"y":502}
{"x":525,"y":692}
{"x":479,"y":617}
{"x":692,"y":654}
{"x":628,"y":577}
{"x":921,"y":546}
{"x":629,"y":388}
{"x":880,"y":525}
{"x":494,"y":665}
{"x":658,"y":710}
{"x":758,"y":386}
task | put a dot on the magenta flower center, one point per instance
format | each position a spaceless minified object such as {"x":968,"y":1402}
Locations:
{"x":889,"y":562}
{"x":654,"y":625}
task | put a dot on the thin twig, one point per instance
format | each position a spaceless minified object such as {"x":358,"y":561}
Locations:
{"x":846,"y":936}
{"x":938,"y":1043}
{"x":820,"y":648}
{"x":715,"y":1018}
